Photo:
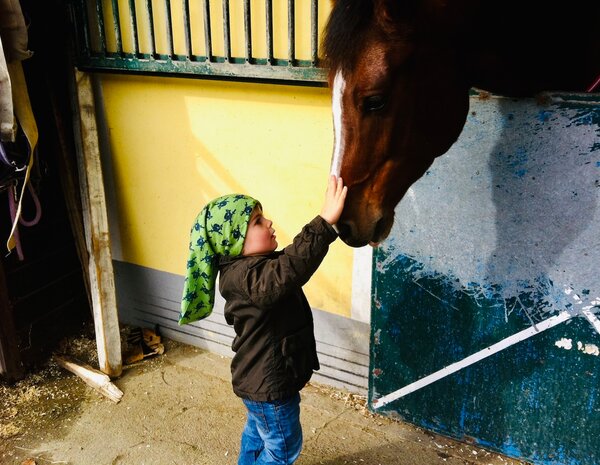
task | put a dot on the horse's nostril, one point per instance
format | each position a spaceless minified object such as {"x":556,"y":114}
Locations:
{"x":344,"y":230}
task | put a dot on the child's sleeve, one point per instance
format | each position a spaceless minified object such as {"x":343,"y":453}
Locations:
{"x":269,"y":280}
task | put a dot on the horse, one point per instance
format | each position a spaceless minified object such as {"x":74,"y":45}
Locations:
{"x":401,"y":73}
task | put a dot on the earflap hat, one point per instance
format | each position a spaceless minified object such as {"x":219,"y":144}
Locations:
{"x":218,"y":231}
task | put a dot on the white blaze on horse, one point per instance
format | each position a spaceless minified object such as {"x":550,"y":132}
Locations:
{"x":401,"y":70}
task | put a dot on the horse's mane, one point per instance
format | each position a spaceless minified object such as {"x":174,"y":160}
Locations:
{"x":347,"y":23}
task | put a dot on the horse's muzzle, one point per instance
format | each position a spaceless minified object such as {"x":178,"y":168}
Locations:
{"x":359,"y":235}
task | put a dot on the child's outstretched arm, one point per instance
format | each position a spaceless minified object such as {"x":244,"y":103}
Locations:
{"x":269,"y":280}
{"x":335,"y":196}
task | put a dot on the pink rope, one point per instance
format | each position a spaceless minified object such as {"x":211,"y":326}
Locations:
{"x":13,"y":213}
{"x":38,"y":209}
{"x":12,"y":206}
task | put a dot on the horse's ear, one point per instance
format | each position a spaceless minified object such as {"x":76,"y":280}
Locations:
{"x":391,"y":13}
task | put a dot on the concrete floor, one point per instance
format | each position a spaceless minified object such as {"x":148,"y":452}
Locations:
{"x":179,"y":408}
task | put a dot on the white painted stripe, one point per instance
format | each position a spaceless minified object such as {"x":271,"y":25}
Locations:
{"x":336,"y":102}
{"x":592,"y":318}
{"x":362,"y":266}
{"x":503,"y":344}
{"x":586,"y":311}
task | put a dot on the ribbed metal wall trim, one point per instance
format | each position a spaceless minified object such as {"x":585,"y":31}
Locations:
{"x":148,"y":297}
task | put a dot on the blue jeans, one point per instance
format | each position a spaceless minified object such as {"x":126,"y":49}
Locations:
{"x":272,"y":434}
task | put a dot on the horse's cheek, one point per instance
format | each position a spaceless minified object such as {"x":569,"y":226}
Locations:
{"x":355,"y":154}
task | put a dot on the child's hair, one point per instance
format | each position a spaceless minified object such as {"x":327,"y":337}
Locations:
{"x":219,"y":230}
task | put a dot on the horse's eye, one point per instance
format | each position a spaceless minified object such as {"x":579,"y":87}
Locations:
{"x":374,"y":103}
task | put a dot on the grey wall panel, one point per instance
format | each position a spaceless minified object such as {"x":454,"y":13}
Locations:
{"x":486,"y":294}
{"x":148,"y":297}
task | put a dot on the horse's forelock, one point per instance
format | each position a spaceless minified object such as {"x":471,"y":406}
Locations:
{"x":348,"y":22}
{"x":351,"y":21}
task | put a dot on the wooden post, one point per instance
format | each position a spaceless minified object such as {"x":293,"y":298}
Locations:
{"x":102,"y":285}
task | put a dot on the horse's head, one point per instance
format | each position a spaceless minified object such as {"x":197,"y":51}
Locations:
{"x":399,"y":101}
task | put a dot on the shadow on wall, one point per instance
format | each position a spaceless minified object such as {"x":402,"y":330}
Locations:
{"x":542,"y":174}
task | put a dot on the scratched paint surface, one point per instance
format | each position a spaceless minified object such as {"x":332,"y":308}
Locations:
{"x":503,"y":232}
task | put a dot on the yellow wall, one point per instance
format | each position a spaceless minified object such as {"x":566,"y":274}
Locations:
{"x":178,"y":143}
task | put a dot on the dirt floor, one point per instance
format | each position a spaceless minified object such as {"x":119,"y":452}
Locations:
{"x":178,"y":408}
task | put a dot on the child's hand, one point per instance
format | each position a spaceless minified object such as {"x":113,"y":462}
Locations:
{"x":334,"y":200}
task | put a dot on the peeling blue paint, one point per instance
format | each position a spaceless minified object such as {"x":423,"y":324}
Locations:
{"x":544,"y":116}
{"x":591,"y":403}
{"x":514,"y":387}
{"x":472,"y":263}
{"x":520,"y":173}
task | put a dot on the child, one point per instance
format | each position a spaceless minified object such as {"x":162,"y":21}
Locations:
{"x":275,"y":350}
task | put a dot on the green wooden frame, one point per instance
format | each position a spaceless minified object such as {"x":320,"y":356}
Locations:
{"x":88,"y":14}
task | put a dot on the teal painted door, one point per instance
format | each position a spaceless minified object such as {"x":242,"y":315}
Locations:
{"x":486,"y":294}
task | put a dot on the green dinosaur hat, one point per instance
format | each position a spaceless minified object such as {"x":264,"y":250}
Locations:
{"x":219,"y":231}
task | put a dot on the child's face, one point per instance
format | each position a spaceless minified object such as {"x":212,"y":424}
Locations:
{"x":260,"y":236}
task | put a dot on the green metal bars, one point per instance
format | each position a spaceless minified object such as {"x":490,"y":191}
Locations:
{"x":131,"y":39}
